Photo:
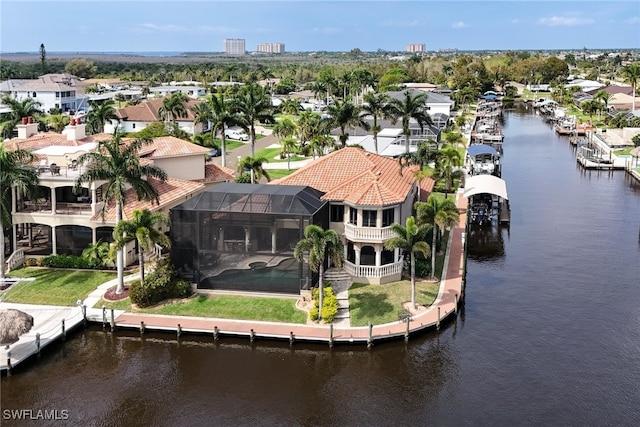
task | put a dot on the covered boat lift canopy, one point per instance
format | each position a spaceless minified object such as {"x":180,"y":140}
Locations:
{"x":478,"y":149}
{"x":490,"y":184}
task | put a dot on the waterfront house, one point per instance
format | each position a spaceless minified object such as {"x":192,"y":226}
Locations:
{"x":57,"y":220}
{"x":61,"y":91}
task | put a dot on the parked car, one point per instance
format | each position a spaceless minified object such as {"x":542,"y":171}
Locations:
{"x":238,"y":134}
{"x":215,"y":152}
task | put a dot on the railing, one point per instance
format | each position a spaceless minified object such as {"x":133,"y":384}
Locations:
{"x":15,"y":260}
{"x":368,"y":234}
{"x":372,"y":270}
{"x":62,"y":208}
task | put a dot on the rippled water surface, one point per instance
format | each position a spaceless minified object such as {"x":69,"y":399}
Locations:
{"x":549,"y":334}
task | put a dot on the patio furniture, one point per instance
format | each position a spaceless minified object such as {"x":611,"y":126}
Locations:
{"x":55,"y":169}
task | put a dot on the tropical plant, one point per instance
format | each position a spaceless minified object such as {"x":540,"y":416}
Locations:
{"x":319,"y":245}
{"x":448,"y":159}
{"x":440,"y":215}
{"x":590,"y":107}
{"x":631,"y":74}
{"x":345,"y":114}
{"x":252,"y":104}
{"x":377,"y":106}
{"x":284,"y":128}
{"x":28,"y":107}
{"x":410,"y":239}
{"x":216,"y":112}
{"x":15,"y":172}
{"x":173,"y":107}
{"x":143,"y":229}
{"x":288,"y":145}
{"x":605,"y":97}
{"x":254,"y":166}
{"x":97,"y":252}
{"x":118,"y":165}
{"x":57,"y":122}
{"x":100,"y":114}
{"x":290,"y":106}
{"x":407,"y":108}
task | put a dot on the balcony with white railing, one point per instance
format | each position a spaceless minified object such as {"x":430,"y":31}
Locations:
{"x":371,"y":271}
{"x":367,"y":234}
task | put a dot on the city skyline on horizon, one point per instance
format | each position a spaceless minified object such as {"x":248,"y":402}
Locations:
{"x":332,"y":26}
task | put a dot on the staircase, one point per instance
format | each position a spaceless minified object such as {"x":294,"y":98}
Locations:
{"x":340,"y":282}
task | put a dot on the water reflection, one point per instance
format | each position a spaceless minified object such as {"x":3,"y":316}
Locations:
{"x":486,"y":242}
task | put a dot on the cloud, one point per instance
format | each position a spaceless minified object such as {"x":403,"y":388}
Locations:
{"x":404,"y":24}
{"x":515,"y":21}
{"x":556,"y":21}
{"x":154,"y":28}
{"x":213,"y":29}
{"x":459,"y":24}
{"x":634,"y":20}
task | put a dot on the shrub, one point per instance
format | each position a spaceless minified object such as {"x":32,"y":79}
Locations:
{"x":71,"y":261}
{"x":161,"y":284}
{"x":329,"y":304}
{"x":32,"y":262}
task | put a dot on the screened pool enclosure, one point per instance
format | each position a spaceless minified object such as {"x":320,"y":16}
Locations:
{"x":241,"y":236}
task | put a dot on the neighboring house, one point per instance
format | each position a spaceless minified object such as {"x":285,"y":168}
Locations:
{"x":51,"y":90}
{"x":58,"y":220}
{"x":585,"y":85}
{"x":191,"y":91}
{"x":436,"y":102}
{"x":242,"y":236}
{"x":134,"y":118}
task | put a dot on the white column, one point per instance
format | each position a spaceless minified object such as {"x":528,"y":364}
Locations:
{"x":359,"y":220}
{"x":221,"y":239}
{"x":14,"y":200}
{"x":379,"y":218}
{"x":396,"y":254}
{"x":94,"y":235}
{"x":378,"y":257}
{"x":247,"y":237}
{"x":273,"y":239}
{"x":15,"y":237}
{"x":357,"y":251}
{"x":94,"y":196}
{"x":54,"y":244}
{"x":53,"y":201}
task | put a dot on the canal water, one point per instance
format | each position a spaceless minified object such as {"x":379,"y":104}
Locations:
{"x":549,"y":333}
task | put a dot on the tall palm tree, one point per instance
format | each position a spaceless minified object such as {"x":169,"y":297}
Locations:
{"x":441,"y":215}
{"x":320,"y":245}
{"x":100,"y":114}
{"x":252,"y":104}
{"x":57,"y":122}
{"x":254,"y":165}
{"x":143,"y":229}
{"x":604,"y":97}
{"x":410,"y":239}
{"x":15,"y":172}
{"x":377,"y":106}
{"x":217,"y":112}
{"x":631,"y":74}
{"x":345,"y":114}
{"x":290,"y":106}
{"x":118,"y":164}
{"x":410,"y":107}
{"x":284,"y":128}
{"x":19,"y":109}
{"x":173,"y":107}
{"x":448,"y":159}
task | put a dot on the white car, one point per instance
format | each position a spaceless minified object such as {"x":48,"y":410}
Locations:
{"x":238,"y":134}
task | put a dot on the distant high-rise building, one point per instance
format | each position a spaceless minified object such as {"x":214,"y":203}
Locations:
{"x":416,"y":47}
{"x":234,"y":46}
{"x":271,"y":47}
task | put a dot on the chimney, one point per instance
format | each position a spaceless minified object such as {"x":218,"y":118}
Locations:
{"x":76,"y":130}
{"x":27,"y":128}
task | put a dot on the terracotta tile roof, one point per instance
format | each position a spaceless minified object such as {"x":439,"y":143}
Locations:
{"x":148,"y":111}
{"x":356,"y":176}
{"x":216,"y":173}
{"x":172,"y":192}
{"x":170,"y":146}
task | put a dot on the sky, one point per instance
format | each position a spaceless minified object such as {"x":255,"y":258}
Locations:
{"x":316,"y":25}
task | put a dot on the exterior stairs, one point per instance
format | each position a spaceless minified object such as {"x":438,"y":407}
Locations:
{"x":340,"y":282}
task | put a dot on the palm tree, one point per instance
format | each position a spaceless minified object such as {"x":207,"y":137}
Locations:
{"x":440,"y":215}
{"x":173,"y":107}
{"x":57,"y":122}
{"x":290,"y":106}
{"x":320,"y":245}
{"x":605,"y":97}
{"x":345,"y":114}
{"x":590,"y":107}
{"x":118,"y":164}
{"x":448,"y":158}
{"x":252,"y":104}
{"x":377,"y":106}
{"x":143,"y":229}
{"x":410,"y":239}
{"x":631,"y":74}
{"x":254,"y":165}
{"x":14,"y":172}
{"x":284,"y":128}
{"x":19,"y":109}
{"x":100,"y":114}
{"x":288,"y":144}
{"x":410,"y":107}
{"x":216,"y":112}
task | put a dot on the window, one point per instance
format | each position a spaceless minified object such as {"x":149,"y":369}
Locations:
{"x":388,"y":217}
{"x":34,"y":94}
{"x":57,"y":94}
{"x":337,"y":213}
{"x":369,"y":218}
{"x":133,"y":125}
{"x":353,"y":216}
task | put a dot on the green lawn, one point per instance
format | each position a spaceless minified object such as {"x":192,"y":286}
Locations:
{"x":123,"y":304}
{"x":624,"y":151}
{"x":235,"y":307}
{"x":383,"y":303}
{"x":279,"y":173}
{"x":271,"y":153}
{"x":55,"y":287}
{"x":231,"y":143}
